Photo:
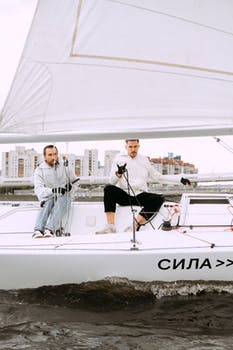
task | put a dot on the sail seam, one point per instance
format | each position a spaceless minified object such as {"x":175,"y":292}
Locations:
{"x":75,"y":33}
{"x":135,"y":60}
{"x":158,"y":63}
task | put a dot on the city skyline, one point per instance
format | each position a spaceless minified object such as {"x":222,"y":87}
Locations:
{"x":207,"y":154}
{"x":22,"y":161}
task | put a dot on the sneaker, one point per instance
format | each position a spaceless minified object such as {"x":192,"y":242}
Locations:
{"x":48,"y":233}
{"x":130,"y":228}
{"x":37,"y":234}
{"x":106,"y":230}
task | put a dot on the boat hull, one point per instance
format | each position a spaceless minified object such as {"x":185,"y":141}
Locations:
{"x":68,"y":261}
{"x":198,"y":246}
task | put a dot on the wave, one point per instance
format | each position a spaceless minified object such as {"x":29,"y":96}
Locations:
{"x":114,"y":292}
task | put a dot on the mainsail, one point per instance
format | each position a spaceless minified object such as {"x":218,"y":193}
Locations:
{"x":106,"y":69}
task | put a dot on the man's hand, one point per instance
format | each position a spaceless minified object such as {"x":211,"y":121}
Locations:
{"x":185,"y":181}
{"x":121,"y":169}
{"x":68,"y":187}
{"x":59,"y":190}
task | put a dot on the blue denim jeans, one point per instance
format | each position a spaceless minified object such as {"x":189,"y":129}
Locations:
{"x":52,"y":213}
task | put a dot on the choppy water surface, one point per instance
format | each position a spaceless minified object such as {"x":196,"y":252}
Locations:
{"x":119,"y":314}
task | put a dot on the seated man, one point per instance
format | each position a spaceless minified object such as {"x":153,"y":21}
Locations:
{"x":53,"y":182}
{"x":129,"y":176}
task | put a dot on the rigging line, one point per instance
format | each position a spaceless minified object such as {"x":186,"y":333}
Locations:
{"x":126,"y":176}
{"x":129,"y":188}
{"x":173,"y":16}
{"x":108,"y":249}
{"x":66,"y":224}
{"x":224,"y":145}
{"x":197,"y":238}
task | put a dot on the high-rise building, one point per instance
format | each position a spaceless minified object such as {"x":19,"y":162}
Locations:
{"x":91,"y":162}
{"x":108,"y":159}
{"x":172,"y":165}
{"x":19,"y":163}
{"x":79,"y":165}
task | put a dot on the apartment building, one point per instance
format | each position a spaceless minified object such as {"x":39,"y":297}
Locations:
{"x":19,"y":163}
{"x":172,"y":165}
{"x":90,"y":162}
{"x":108,"y":159}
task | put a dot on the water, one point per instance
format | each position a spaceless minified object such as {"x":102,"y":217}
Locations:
{"x":119,"y":314}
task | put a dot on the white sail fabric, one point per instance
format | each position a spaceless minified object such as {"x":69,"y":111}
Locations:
{"x":102,"y":69}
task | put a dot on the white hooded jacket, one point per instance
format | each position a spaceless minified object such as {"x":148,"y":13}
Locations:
{"x":46,"y":178}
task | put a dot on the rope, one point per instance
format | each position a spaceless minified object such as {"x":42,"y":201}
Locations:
{"x":68,"y":181}
{"x":212,"y":245}
{"x":224,"y":144}
{"x":129,"y":188}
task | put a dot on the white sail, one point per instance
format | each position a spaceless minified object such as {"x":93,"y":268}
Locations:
{"x":106,"y":69}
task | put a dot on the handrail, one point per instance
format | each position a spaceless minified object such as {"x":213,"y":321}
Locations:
{"x":12,"y":211}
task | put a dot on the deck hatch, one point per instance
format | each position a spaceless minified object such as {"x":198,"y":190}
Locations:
{"x":209,"y":201}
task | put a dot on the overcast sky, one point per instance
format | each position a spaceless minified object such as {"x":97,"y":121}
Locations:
{"x":205,"y":153}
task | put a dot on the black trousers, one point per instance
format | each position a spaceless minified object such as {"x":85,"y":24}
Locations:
{"x":150,"y":202}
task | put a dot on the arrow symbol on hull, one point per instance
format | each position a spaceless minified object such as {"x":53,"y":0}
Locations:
{"x":220,"y":262}
{"x":230,"y":262}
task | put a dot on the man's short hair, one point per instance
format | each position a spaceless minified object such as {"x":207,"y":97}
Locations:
{"x":127,"y":140}
{"x":49,"y":146}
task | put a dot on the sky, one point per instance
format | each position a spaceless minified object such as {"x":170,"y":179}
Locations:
{"x":205,"y":153}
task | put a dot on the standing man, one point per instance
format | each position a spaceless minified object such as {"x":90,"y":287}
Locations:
{"x":53,"y":182}
{"x":129,"y":176}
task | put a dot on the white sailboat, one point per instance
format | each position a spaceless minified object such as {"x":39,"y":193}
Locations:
{"x":111,"y":69}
